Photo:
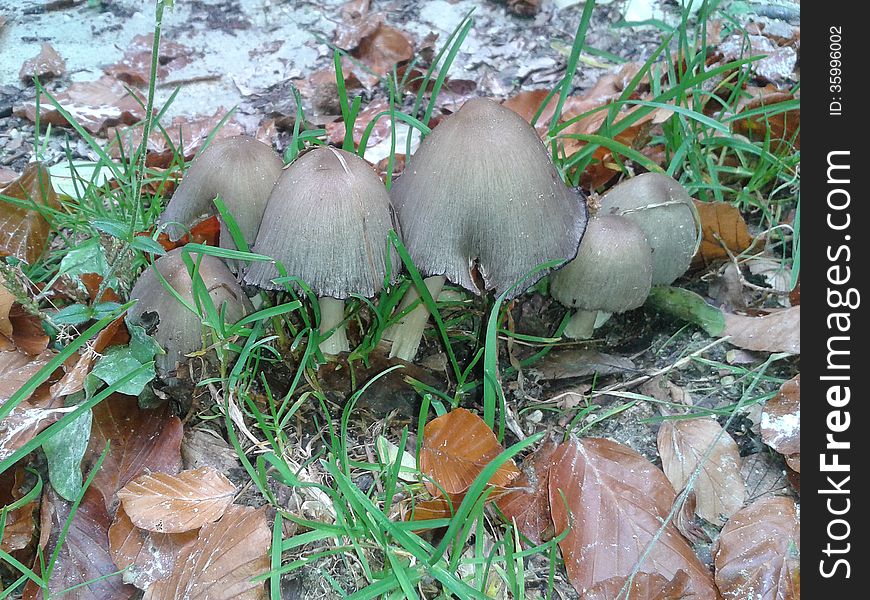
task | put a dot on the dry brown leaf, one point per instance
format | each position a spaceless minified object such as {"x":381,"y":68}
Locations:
{"x":779,"y":331}
{"x":783,"y":127}
{"x":336,"y":133}
{"x":222,"y":561}
{"x":84,"y":555}
{"x":24,"y":231}
{"x":764,"y":476}
{"x":140,"y":440}
{"x":527,"y":501}
{"x":7,"y":299}
{"x":436,"y":508}
{"x":528,"y":102}
{"x":721,"y":224}
{"x":456,"y":447}
{"x":644,"y":586}
{"x":135,"y":67}
{"x":613,"y":502}
{"x":7,"y":176}
{"x":177,"y":503}
{"x":95,"y":105}
{"x":719,"y":488}
{"x":146,"y":556}
{"x":20,"y":524}
{"x":781,"y":422}
{"x":28,"y":418}
{"x":45,"y":65}
{"x":383,"y":48}
{"x":187,"y":135}
{"x":758,"y":552}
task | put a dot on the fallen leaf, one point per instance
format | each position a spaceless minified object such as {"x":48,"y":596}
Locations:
{"x":177,"y":503}
{"x":721,"y":225}
{"x":527,"y":501}
{"x":45,"y":65}
{"x":222,"y":561}
{"x":719,"y":488}
{"x":135,"y":67}
{"x":145,"y":556}
{"x":778,"y":331}
{"x":205,"y":448}
{"x":581,"y":362}
{"x":20,"y":524}
{"x":84,"y":555}
{"x":95,"y":105}
{"x":23,"y":229}
{"x":524,"y":8}
{"x":456,"y":447}
{"x":781,"y":422}
{"x":141,"y":440}
{"x":336,"y":133}
{"x":758,"y":552}
{"x":205,"y":232}
{"x":186,"y":136}
{"x":7,"y":175}
{"x":7,"y":299}
{"x":644,"y":586}
{"x":26,"y":420}
{"x":613,"y":501}
{"x":382,"y":49}
{"x":764,"y":476}
{"x":528,"y":102}
{"x":783,"y":128}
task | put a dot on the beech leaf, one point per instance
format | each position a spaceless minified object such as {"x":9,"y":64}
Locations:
{"x":721,"y":225}
{"x":177,"y":503}
{"x":779,"y":331}
{"x":758,"y":552}
{"x":222,"y":561}
{"x":613,"y":502}
{"x":781,"y":422}
{"x":719,"y":488}
{"x":527,"y":501}
{"x":23,"y":228}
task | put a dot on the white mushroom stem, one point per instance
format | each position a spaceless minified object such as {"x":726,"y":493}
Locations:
{"x":332,"y":316}
{"x":407,"y":333}
{"x":581,"y":325}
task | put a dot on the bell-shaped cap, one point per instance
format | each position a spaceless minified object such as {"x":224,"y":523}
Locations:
{"x":327,"y":222}
{"x":178,"y":329}
{"x":663,"y":209}
{"x":242,"y":171}
{"x":481,"y":193}
{"x":612,"y":271}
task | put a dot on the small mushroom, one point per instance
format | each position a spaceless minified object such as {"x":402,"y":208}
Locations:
{"x":242,"y":171}
{"x":481,"y":205}
{"x":179,"y":330}
{"x":667,"y":215}
{"x":327,"y":222}
{"x":612,"y":273}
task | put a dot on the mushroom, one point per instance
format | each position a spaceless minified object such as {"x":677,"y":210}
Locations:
{"x":179,"y":329}
{"x":481,"y":197}
{"x":327,"y":222}
{"x":612,"y":273}
{"x":666,"y":214}
{"x":242,"y":171}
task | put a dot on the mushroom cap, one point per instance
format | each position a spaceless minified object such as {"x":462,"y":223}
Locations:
{"x":612,"y":271}
{"x":667,"y":215}
{"x":481,"y":191}
{"x":179,"y":331}
{"x":242,"y":171}
{"x":327,"y":221}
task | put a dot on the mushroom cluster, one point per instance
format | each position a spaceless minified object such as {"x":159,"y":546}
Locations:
{"x":644,"y":234}
{"x":480,"y":205}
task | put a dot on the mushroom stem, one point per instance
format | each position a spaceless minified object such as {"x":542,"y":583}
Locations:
{"x":407,"y":333}
{"x":331,"y":316}
{"x":581,"y":325}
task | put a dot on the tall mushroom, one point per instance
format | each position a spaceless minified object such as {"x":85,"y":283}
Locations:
{"x":327,"y":222}
{"x":666,"y":214}
{"x":179,"y":330}
{"x":612,"y":273}
{"x":481,"y":196}
{"x":242,"y":171}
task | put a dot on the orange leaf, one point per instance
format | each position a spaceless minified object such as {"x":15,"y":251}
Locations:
{"x":177,"y":503}
{"x":456,"y":447}
{"x":222,"y":562}
{"x":613,"y":502}
{"x":758,"y":552}
{"x":527,"y":501}
{"x":24,"y":231}
{"x":205,"y":232}
{"x":721,"y":224}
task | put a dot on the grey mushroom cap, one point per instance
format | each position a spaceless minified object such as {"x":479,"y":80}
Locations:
{"x":242,"y":171}
{"x":178,"y":330}
{"x":612,"y":271}
{"x":481,"y":192}
{"x":667,"y":215}
{"x":327,"y":222}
